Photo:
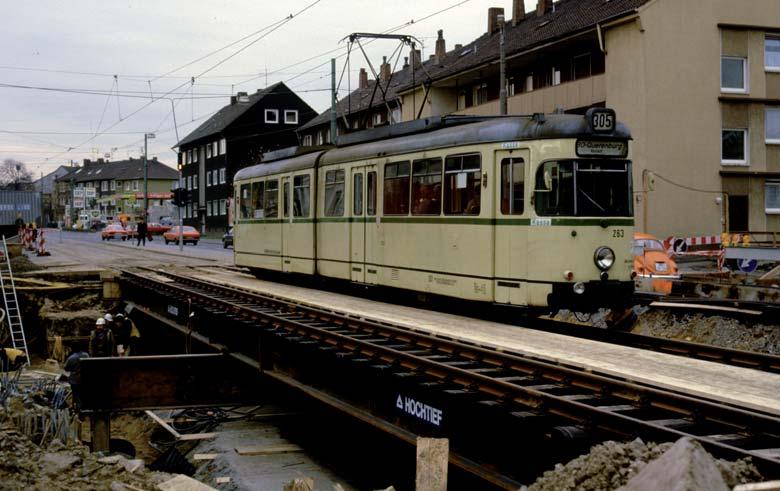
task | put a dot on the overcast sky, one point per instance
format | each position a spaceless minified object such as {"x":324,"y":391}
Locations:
{"x":140,"y":40}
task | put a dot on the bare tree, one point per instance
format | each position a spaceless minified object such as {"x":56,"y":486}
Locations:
{"x":15,"y":175}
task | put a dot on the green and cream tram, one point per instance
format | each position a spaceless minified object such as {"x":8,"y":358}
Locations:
{"x":530,"y":211}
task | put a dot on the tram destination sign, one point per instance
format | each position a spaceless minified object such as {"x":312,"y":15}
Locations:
{"x":601,"y":148}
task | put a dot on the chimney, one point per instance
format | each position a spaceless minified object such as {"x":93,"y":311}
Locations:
{"x":363,"y":79}
{"x":518,"y":11}
{"x":242,"y":97}
{"x":441,"y":47}
{"x":87,"y":162}
{"x":415,"y":60}
{"x":232,"y":100}
{"x":100,"y":161}
{"x":154,"y":159}
{"x":458,"y":47}
{"x":384,"y":70}
{"x":543,"y":7}
{"x":431,"y":57}
{"x":493,"y":13}
{"x":406,"y":61}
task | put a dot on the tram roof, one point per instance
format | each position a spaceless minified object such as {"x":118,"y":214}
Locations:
{"x":501,"y":129}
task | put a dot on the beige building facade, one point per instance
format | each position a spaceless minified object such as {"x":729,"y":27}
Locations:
{"x":696,"y":81}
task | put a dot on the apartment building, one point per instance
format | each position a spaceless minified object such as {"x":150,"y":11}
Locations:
{"x":696,"y":81}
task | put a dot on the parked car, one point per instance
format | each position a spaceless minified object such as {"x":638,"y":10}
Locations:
{"x":190,"y":235}
{"x":227,"y":239}
{"x":157,"y":228}
{"x":113,"y":231}
{"x":652,"y":261}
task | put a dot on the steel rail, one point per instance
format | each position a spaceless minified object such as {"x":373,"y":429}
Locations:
{"x":669,"y":415}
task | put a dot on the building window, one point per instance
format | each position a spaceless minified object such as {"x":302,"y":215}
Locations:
{"x":194,"y":154}
{"x":135,"y":185}
{"x":462,"y":184}
{"x":215,"y":148}
{"x":396,"y":189}
{"x":377,"y":119}
{"x":512,"y":186}
{"x":189,"y":157}
{"x":290,"y":116}
{"x":772,"y":124}
{"x":772,"y":54}
{"x":327,"y":136}
{"x":271,"y":115}
{"x":556,"y":75}
{"x":733,"y":74}
{"x":222,"y":175}
{"x":529,"y":83}
{"x":772,"y":197}
{"x":222,"y":146}
{"x":580,"y":66}
{"x":319,"y":138}
{"x":307,"y":141}
{"x":396,"y":115}
{"x":223,"y":207}
{"x":426,"y":187}
{"x":208,"y":151}
{"x":127,"y":186}
{"x":301,"y":196}
{"x":104,"y":185}
{"x":334,"y":193}
{"x":195,"y":179}
{"x":734,"y":150}
{"x":208,"y":208}
{"x":510,"y":86}
{"x":480,"y":94}
{"x":208,"y":178}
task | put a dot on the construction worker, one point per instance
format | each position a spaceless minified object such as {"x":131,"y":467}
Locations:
{"x":101,"y":340}
{"x":11,"y":359}
{"x":19,"y":223}
{"x":130,"y":335}
{"x":73,"y":367}
{"x":110,"y":324}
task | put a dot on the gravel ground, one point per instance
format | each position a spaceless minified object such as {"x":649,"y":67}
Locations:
{"x":713,"y":330}
{"x":610,"y":465}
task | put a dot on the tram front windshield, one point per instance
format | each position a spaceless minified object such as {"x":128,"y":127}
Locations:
{"x":587,"y":188}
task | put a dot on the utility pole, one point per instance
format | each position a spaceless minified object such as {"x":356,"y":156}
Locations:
{"x":147,"y":136}
{"x":502,"y":76}
{"x":333,"y":138}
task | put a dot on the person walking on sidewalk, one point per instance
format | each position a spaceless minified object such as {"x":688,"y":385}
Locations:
{"x":141,"y":230}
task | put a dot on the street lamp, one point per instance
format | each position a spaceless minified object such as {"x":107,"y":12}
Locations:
{"x":147,"y":136}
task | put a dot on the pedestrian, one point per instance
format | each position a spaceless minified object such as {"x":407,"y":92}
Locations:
{"x":73,"y":367}
{"x":19,"y":223}
{"x":101,"y":340}
{"x":141,"y":231}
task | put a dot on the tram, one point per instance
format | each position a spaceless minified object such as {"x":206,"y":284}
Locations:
{"x":530,"y":211}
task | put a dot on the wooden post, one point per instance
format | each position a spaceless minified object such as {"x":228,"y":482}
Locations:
{"x":100,"y":427}
{"x":432,"y":460}
{"x":111,"y":290}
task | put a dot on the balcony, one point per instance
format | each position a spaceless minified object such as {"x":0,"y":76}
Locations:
{"x":568,"y":95}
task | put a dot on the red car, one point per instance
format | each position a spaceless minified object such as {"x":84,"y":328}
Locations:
{"x":191,"y":235}
{"x":113,"y":231}
{"x":157,"y":228}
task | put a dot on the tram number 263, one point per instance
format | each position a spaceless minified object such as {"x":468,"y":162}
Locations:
{"x":618,"y":233}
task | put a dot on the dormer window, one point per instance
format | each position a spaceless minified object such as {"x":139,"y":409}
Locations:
{"x":272,"y":116}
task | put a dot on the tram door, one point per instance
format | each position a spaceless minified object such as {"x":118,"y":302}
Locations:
{"x":363,"y":224}
{"x":287,"y":224}
{"x":511,"y":211}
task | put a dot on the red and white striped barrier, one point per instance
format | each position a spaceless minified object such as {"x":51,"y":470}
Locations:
{"x":679,"y":245}
{"x":42,"y":244}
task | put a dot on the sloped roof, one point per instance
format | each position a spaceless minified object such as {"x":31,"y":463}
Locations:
{"x":225,"y":116}
{"x":569,"y":17}
{"x":121,"y":170}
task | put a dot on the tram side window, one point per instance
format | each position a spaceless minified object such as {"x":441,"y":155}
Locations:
{"x":371,"y":194}
{"x":286,"y":199}
{"x":357,"y":195}
{"x":426,"y":187}
{"x":334,"y":193}
{"x":555,"y":189}
{"x":257,"y":200}
{"x":271,"y":199}
{"x":512,"y":186}
{"x":301,"y":196}
{"x":246,"y":201}
{"x":462,"y":184}
{"x":396,"y":192}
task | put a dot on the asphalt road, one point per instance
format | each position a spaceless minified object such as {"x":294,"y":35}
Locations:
{"x":208,"y":244}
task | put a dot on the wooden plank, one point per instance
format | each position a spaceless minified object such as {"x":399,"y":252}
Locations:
{"x":432,"y":460}
{"x":700,"y":306}
{"x":205,"y":456}
{"x":183,"y":483}
{"x":196,"y":436}
{"x":223,"y":480}
{"x":269,"y":449}
{"x":165,"y":425}
{"x":759,"y":486}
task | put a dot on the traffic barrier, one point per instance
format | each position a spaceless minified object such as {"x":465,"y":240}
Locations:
{"x":42,"y":244}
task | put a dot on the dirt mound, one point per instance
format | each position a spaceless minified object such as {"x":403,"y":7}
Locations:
{"x":611,"y":465}
{"x":20,"y":264}
{"x":714,"y":330}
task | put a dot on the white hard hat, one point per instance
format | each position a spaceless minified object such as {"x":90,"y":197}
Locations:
{"x":120,"y":316}
{"x":109,"y":317}
{"x":100,"y":322}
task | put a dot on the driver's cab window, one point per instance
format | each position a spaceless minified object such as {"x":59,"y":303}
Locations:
{"x":554,"y":189}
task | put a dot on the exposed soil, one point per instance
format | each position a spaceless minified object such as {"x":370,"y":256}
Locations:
{"x":610,"y":465}
{"x":20,"y":264}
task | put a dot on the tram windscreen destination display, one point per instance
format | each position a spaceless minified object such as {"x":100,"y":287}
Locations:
{"x":601,"y":148}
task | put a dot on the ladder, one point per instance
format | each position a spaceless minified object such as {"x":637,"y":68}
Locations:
{"x":12,"y":313}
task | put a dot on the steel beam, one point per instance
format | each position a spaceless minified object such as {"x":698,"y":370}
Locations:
{"x":159,"y":382}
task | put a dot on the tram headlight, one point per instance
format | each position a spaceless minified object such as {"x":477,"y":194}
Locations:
{"x":604,"y":258}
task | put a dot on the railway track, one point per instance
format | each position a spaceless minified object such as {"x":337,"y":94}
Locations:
{"x":521,"y":386}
